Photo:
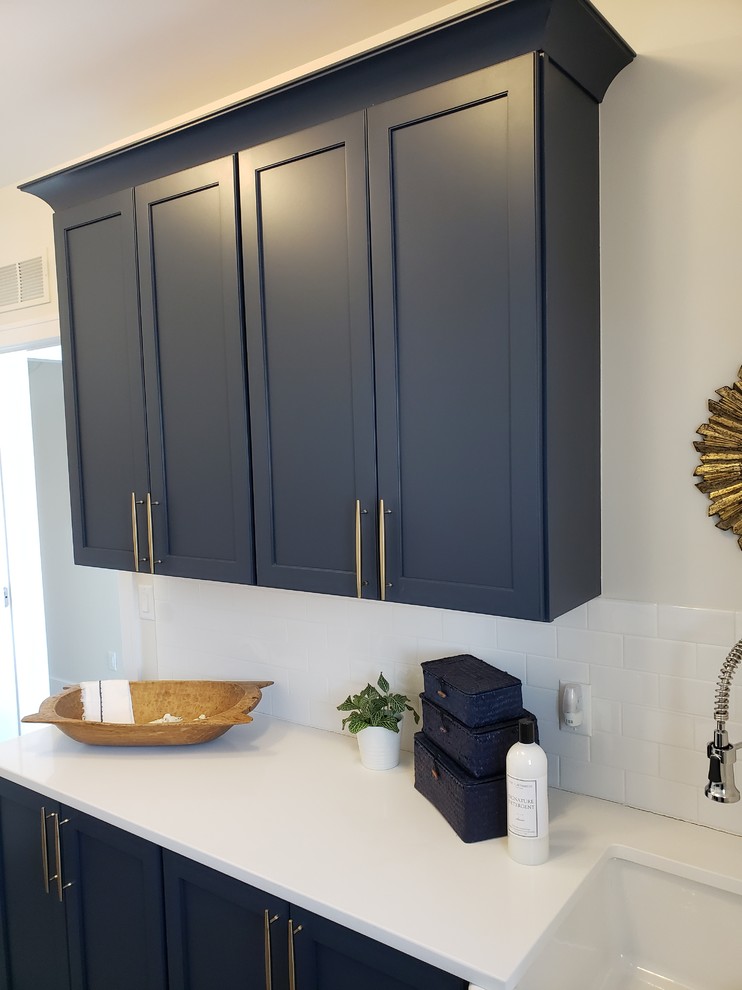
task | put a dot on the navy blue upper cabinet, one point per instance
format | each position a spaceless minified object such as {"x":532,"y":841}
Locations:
{"x":103,"y":384}
{"x":415,"y":434}
{"x":193,"y":349}
{"x":484,"y":234}
{"x":168,"y":490}
{"x":415,"y":249}
{"x":310,"y":359}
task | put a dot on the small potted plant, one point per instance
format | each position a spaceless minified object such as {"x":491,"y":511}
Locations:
{"x":374,"y":717}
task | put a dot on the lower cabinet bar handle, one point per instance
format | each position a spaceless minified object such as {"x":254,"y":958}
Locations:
{"x":150,"y":535}
{"x":134,"y":534}
{"x":45,"y":850}
{"x":292,"y":958}
{"x":61,"y":887}
{"x":268,"y":921}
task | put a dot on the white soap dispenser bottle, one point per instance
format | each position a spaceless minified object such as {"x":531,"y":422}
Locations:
{"x":528,"y":808}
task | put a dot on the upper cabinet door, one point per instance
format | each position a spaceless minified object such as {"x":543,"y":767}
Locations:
{"x":103,"y":385}
{"x":310,"y":359}
{"x":194,"y":372}
{"x":454,"y":234}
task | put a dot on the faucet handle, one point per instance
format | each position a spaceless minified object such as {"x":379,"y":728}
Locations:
{"x":721,"y":786}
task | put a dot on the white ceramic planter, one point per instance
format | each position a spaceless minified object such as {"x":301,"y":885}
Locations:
{"x":379,"y":748}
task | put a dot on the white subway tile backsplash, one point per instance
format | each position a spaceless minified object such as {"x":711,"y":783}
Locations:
{"x":607,"y":783}
{"x":686,"y":766}
{"x":664,"y":797}
{"x":592,"y":647}
{"x":558,"y":743}
{"x":434,"y":649}
{"x":726,"y":817}
{"x":546,"y":672}
{"x":541,"y":702}
{"x":681,"y":694}
{"x":527,"y":637}
{"x":697,"y":625}
{"x":709,"y":661}
{"x":627,"y":618}
{"x":607,"y":715}
{"x":630,"y":686}
{"x":663,"y":656}
{"x":576,"y":619}
{"x":478,"y":630}
{"x":624,"y":752}
{"x":659,"y":726}
{"x":291,"y":707}
{"x":652,"y":669}
{"x":513,"y":663}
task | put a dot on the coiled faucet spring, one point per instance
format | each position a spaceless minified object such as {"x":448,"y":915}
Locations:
{"x":724,"y":682}
{"x":721,"y":753}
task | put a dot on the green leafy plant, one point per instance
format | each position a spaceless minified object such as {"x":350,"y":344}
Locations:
{"x":376,"y":706}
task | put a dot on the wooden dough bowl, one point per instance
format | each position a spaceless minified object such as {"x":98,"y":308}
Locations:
{"x":224,"y":703}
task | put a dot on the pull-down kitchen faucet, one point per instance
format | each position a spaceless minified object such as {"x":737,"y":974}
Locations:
{"x":721,"y":753}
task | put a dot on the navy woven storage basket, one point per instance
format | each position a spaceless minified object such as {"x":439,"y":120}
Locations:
{"x":480,"y":751}
{"x":475,"y":692}
{"x":475,"y":809}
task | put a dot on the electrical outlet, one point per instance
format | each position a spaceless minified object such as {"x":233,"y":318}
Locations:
{"x":113,"y":660}
{"x":585,"y":728}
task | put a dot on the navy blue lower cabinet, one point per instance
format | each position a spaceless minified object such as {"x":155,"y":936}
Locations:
{"x":111,"y":883}
{"x":224,"y":933}
{"x":327,"y":956}
{"x":81,"y":900}
{"x":221,"y":932}
{"x":33,"y":937}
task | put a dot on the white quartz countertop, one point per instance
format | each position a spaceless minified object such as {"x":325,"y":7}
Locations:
{"x":291,"y":810}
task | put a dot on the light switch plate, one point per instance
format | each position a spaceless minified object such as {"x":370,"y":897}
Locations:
{"x":146,"y":601}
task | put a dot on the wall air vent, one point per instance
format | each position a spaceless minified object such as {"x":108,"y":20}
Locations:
{"x":24,"y":283}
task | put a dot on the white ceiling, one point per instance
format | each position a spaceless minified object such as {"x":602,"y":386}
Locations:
{"x":81,"y":74}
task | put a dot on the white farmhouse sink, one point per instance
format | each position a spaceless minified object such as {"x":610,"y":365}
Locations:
{"x":635,"y":925}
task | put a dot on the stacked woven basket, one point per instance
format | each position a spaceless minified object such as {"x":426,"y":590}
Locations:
{"x":470,"y":720}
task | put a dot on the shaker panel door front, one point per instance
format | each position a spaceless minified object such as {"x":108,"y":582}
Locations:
{"x":458,"y":337}
{"x":195,"y":374}
{"x":310,"y":359}
{"x":103,"y":384}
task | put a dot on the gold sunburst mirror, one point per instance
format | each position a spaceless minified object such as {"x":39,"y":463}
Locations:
{"x":721,"y":457}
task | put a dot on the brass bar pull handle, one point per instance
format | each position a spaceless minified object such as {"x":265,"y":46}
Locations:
{"x":292,"y":958}
{"x":382,"y":551}
{"x":61,"y":887}
{"x":359,"y":568}
{"x":268,"y":921}
{"x":384,"y":584}
{"x":359,"y":577}
{"x":45,"y":850}
{"x":134,"y":534}
{"x":150,"y":534}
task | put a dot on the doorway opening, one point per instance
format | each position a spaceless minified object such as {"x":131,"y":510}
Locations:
{"x":64,"y":620}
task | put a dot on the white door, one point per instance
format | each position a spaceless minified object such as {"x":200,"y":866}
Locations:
{"x":8,"y":689}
